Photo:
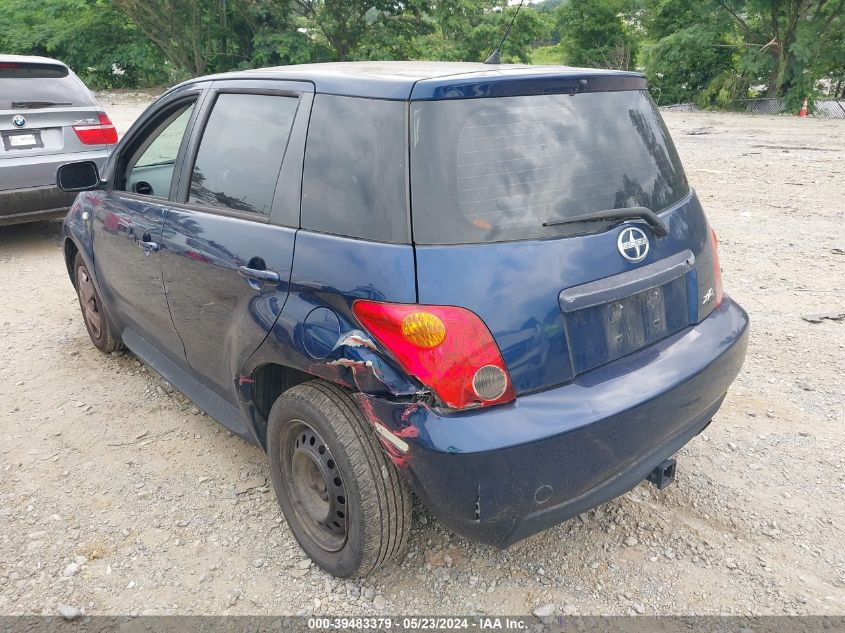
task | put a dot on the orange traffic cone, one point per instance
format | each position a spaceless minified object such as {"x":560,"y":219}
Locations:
{"x":803,"y":110}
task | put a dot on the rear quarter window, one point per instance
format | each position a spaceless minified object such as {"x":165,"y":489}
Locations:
{"x":354,"y":178}
{"x":24,"y":85}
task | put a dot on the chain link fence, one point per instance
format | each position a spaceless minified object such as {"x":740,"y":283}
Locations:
{"x":829,"y":109}
{"x":681,"y":107}
{"x":822,"y":108}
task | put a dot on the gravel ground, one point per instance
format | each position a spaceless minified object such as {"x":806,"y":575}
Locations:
{"x":117,"y":496}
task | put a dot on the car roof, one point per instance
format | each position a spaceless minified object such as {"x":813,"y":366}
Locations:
{"x":29,"y":59}
{"x":421,"y":80}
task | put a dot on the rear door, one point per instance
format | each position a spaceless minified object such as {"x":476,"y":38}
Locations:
{"x":492,"y":180}
{"x":45,"y":112}
{"x":226,"y":265}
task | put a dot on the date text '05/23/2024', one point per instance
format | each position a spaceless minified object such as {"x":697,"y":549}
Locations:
{"x":480,"y":623}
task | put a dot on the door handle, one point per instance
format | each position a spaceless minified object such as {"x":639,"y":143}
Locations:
{"x":263,"y":276}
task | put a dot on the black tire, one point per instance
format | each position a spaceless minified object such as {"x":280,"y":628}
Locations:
{"x":93,"y":311}
{"x":376,"y":501}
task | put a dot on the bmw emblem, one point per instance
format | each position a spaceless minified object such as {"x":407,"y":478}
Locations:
{"x":18,"y":120}
{"x":632,"y":244}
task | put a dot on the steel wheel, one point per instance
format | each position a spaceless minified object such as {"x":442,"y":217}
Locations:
{"x":315,"y":484}
{"x":344,"y":500}
{"x":94,"y":313}
{"x":89,"y":303}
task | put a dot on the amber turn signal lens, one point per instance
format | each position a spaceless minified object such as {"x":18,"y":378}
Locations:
{"x":423,"y":329}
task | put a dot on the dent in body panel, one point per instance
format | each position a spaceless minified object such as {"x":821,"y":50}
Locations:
{"x":356,"y":269}
{"x":357,"y":363}
{"x":369,"y":370}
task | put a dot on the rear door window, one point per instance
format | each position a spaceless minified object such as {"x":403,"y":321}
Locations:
{"x":485,"y":170}
{"x":241,"y":152}
{"x":38,"y":85}
{"x":354,"y":179}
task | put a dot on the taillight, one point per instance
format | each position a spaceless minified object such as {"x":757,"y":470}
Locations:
{"x":717,"y":269}
{"x":448,"y":349}
{"x":103,"y":133}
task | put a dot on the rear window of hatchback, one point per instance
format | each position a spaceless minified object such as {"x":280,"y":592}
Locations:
{"x":497,"y":169}
{"x":25,"y":85}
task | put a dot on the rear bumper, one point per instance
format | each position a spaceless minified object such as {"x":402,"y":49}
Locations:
{"x":28,"y":189}
{"x":501,"y":475}
{"x":24,"y":172}
{"x":34,"y":203}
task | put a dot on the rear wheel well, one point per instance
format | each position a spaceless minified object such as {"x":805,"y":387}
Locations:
{"x":70,"y":256}
{"x":271,"y":381}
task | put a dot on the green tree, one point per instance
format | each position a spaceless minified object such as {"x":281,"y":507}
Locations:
{"x":469,"y":30}
{"x":202,"y":36}
{"x":362,"y":28}
{"x":183,"y":29}
{"x":596,"y":33}
{"x":786,"y":40}
{"x":688,"y":51}
{"x":91,"y":36}
{"x":829,"y":58}
{"x":265,"y":33}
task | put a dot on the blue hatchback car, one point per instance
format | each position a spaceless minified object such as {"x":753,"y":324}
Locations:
{"x":491,"y":284}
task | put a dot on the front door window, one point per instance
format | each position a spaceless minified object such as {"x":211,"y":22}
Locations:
{"x":149,"y":172}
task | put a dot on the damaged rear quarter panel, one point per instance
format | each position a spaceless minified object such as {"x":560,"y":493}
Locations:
{"x":394,"y":423}
{"x":369,"y":369}
{"x":332,"y":272}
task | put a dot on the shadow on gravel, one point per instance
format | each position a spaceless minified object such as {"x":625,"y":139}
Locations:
{"x":24,"y":236}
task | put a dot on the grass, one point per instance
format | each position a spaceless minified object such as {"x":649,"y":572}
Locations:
{"x":547,"y":55}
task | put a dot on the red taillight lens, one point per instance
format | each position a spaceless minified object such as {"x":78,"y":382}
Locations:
{"x":717,"y":268}
{"x":447,"y":348}
{"x":103,"y":133}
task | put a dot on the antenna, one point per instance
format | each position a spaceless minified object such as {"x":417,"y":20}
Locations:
{"x":496,"y":56}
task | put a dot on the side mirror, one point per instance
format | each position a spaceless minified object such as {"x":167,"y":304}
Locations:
{"x":81,"y":176}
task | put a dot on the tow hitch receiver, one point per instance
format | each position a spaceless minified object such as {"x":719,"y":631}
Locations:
{"x":664,"y":474}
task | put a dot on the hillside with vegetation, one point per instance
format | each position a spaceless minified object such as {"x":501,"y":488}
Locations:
{"x":711,"y":52}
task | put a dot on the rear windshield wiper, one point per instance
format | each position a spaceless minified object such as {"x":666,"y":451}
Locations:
{"x":656,"y":224}
{"x":37,"y":104}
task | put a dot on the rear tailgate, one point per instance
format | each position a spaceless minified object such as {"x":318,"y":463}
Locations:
{"x":550,"y":317}
{"x":489,"y":175}
{"x":40,"y":104}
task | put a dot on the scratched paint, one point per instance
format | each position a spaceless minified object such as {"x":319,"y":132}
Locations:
{"x":357,"y":363}
{"x":393,"y":448}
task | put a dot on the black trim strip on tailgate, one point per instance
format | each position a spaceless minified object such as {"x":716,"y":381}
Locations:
{"x":627,"y":283}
